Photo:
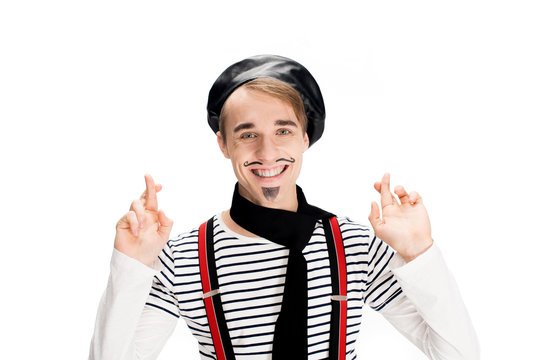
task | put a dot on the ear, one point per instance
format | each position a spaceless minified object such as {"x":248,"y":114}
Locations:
{"x":305,"y":141}
{"x":222,"y":145}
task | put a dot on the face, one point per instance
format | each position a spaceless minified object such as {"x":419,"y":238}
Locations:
{"x":265,"y":143}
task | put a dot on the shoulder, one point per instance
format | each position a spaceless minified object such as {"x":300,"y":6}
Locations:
{"x":187,"y":240}
{"x":351,"y":229}
{"x":179,"y":258}
{"x":353,"y":233}
{"x":183,"y":240}
{"x":182,"y":244}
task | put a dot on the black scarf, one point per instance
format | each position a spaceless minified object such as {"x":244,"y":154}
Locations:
{"x":293,"y":230}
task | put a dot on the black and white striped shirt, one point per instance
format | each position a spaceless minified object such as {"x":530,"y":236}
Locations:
{"x":251,"y":273}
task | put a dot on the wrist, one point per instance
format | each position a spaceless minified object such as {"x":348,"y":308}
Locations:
{"x":417,"y":250}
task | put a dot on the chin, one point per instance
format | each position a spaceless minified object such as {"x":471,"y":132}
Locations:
{"x":270,"y":187}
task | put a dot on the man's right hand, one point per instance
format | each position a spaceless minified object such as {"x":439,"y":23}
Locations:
{"x":143,"y":232}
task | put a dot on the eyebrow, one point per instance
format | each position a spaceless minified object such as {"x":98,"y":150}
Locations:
{"x":285,"y":123}
{"x":245,"y":126}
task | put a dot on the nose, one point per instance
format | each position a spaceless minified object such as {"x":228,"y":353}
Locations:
{"x":267,"y":150}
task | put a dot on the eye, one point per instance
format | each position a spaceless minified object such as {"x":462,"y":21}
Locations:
{"x":247,"y":136}
{"x":283,"y":132}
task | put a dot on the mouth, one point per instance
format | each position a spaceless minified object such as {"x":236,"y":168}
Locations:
{"x":270,"y":173}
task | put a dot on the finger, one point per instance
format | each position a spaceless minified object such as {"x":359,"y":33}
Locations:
{"x":151,"y":194}
{"x":378,"y":187}
{"x":158,"y":188}
{"x":165,"y":225}
{"x":386,"y":197}
{"x":415,"y":198}
{"x":374,"y":216}
{"x":138,"y":208}
{"x":402,"y":194}
{"x":133,"y":222}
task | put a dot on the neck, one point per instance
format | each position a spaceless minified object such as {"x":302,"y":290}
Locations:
{"x":287,"y":199}
{"x":232,"y":225}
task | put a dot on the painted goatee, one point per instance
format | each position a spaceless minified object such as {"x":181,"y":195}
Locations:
{"x":270,"y":193}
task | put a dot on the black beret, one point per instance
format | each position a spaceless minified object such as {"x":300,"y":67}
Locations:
{"x":270,"y":66}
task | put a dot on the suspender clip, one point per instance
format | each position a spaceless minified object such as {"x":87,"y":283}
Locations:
{"x":211,"y":293}
{"x":339,"y":297}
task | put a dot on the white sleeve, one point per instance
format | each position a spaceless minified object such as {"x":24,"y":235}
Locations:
{"x":125,"y":328}
{"x":431,"y":314}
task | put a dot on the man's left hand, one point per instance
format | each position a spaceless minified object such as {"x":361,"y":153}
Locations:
{"x":404,"y":226}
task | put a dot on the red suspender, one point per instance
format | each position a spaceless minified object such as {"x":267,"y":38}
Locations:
{"x":210,"y":294}
{"x":337,"y":260}
{"x":214,"y":307}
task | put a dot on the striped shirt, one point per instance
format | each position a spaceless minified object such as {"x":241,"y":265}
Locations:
{"x":251,"y":273}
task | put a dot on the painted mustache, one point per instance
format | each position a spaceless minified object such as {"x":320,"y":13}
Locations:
{"x":291,"y":160}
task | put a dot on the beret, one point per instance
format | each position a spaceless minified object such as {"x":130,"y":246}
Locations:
{"x":270,"y":66}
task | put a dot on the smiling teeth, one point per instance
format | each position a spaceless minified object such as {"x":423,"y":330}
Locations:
{"x":269,"y":173}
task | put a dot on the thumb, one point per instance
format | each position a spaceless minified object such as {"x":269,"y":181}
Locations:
{"x":374,"y":216}
{"x":165,"y":225}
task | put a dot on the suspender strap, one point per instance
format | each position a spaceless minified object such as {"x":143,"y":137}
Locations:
{"x":211,"y":295}
{"x":214,"y":307}
{"x":337,"y":261}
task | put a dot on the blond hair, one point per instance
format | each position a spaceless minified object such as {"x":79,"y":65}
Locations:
{"x":276,"y":88}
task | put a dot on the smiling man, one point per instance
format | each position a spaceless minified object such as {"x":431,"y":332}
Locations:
{"x":264,"y":139}
{"x":274,"y":277}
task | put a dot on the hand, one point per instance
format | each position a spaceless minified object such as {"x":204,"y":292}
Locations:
{"x":405,"y":226}
{"x":144,"y":230}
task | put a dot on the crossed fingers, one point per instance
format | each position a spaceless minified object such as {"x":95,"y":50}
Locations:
{"x":147,"y":201}
{"x":387,"y":198}
{"x":149,"y":196}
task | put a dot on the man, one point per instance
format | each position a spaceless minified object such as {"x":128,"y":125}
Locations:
{"x":275,"y":277}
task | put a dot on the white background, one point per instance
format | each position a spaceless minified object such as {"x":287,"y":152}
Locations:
{"x":93,"y":95}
